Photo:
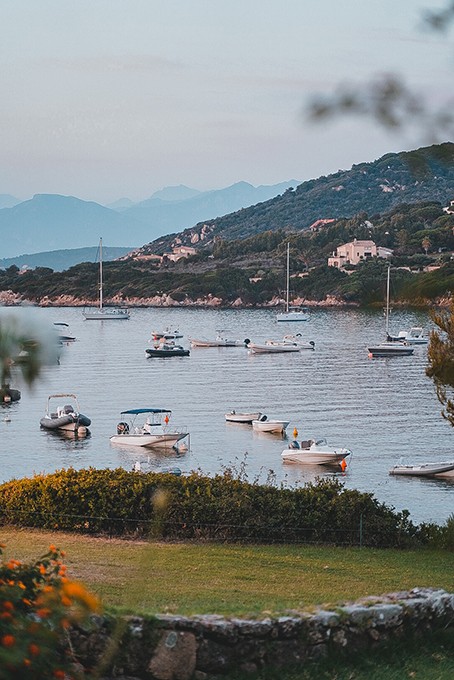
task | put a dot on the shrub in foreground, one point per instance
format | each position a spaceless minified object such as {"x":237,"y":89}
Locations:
{"x":224,"y":508}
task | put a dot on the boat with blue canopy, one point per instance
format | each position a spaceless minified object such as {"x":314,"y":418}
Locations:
{"x":155,"y":431}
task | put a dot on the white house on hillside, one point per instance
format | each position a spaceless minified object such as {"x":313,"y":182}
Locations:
{"x":356,"y":251}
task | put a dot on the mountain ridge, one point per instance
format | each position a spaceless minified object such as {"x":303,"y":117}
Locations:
{"x":372,"y":187}
{"x":56,"y":221}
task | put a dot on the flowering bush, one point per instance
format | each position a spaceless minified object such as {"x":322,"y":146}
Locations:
{"x":38,"y":603}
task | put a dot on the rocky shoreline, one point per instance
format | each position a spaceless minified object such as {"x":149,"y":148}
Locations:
{"x":10,"y":299}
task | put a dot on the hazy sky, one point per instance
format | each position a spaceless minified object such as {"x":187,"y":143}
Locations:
{"x":102,"y":99}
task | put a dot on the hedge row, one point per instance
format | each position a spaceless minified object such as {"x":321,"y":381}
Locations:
{"x":122,"y":503}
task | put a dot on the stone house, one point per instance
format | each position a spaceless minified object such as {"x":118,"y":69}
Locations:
{"x":357,"y":251}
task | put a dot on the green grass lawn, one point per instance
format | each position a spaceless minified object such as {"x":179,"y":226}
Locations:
{"x":240,"y":580}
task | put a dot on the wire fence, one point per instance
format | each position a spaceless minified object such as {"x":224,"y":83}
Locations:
{"x":158,"y":528}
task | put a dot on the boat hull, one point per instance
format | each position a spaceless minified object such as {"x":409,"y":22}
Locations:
{"x":164,"y":353}
{"x":292,"y":316}
{"x":242,"y":417}
{"x":272,"y":348}
{"x":425,"y":470}
{"x":314,"y":458}
{"x":390,"y":349}
{"x":273,"y":426}
{"x":147,"y":440}
{"x":68,"y":423}
{"x":107,"y":315}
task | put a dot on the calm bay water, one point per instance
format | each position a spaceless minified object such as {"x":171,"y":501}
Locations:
{"x":382,"y":409}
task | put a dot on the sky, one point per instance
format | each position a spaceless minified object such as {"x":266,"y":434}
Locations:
{"x":104,"y":99}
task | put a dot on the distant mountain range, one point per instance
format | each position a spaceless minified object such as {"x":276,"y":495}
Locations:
{"x":426,"y":174}
{"x":60,"y":260}
{"x":52,"y":222}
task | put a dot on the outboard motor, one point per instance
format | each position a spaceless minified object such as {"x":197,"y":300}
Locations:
{"x":122,"y":428}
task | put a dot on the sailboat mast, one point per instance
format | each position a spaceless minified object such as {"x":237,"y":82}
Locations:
{"x":387,"y":302}
{"x":288,"y":278}
{"x":100,"y":273}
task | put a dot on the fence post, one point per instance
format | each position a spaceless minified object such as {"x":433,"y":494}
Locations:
{"x":361,"y":530}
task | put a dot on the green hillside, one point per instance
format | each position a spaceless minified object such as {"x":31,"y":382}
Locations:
{"x":426,"y":174}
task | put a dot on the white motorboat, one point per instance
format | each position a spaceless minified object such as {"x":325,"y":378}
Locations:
{"x":273,"y":347}
{"x":236,"y":417}
{"x":102,"y":313}
{"x":265,"y":424}
{"x":314,"y":452}
{"x":415,"y":336}
{"x":221,"y":340}
{"x":63,"y":333}
{"x":155,"y":432}
{"x":424,"y":470}
{"x":66,"y":418}
{"x":292,"y":312}
{"x":390,"y":347}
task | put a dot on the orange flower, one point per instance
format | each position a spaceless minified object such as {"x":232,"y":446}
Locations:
{"x":6,"y":615}
{"x":8,"y":640}
{"x":52,"y":548}
{"x":8,"y":606}
{"x":66,"y":601}
{"x":43,"y":612}
{"x":59,"y":674}
{"x":34,"y":649}
{"x":42,"y":569}
{"x":62,"y":553}
{"x":27,"y":662}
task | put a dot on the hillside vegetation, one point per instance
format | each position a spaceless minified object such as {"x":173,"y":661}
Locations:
{"x":426,"y":174}
{"x":252,"y":270}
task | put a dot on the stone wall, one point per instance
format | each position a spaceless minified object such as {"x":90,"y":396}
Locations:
{"x":199,"y":647}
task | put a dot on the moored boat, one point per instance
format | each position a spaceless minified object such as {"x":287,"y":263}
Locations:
{"x":167,"y":349}
{"x":102,"y":313}
{"x":424,"y":470}
{"x":65,"y":418}
{"x":155,"y":432}
{"x":390,"y":347}
{"x":273,"y":347}
{"x":314,"y":452}
{"x":415,"y":336}
{"x":265,"y":424}
{"x":292,"y":312}
{"x":221,"y":340}
{"x":241,"y":417}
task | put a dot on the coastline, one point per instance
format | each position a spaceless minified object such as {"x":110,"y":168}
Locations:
{"x":10,"y":299}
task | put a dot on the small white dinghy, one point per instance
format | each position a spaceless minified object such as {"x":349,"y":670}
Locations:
{"x":315,"y":452}
{"x":424,"y":470}
{"x":221,"y":340}
{"x":234,"y":417}
{"x":265,"y":424}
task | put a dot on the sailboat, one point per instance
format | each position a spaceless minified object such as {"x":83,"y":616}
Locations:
{"x":388,"y":348}
{"x":102,"y":312}
{"x":292,"y":313}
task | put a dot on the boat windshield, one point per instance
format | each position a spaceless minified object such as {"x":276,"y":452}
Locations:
{"x":137,"y":411}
